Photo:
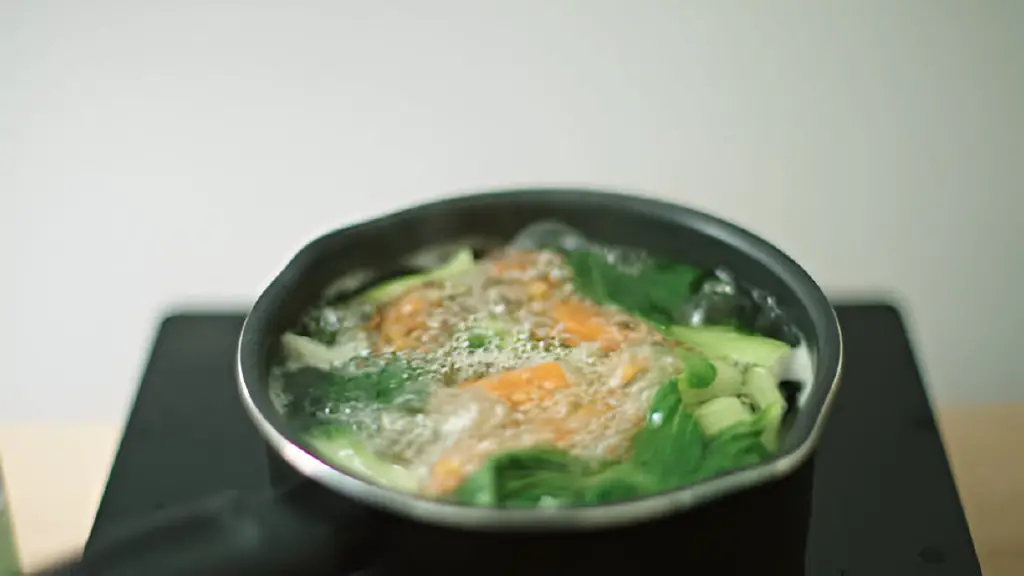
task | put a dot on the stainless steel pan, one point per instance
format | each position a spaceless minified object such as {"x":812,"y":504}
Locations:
{"x":688,"y":235}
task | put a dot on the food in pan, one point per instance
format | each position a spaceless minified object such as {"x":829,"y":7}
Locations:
{"x":552,"y":372}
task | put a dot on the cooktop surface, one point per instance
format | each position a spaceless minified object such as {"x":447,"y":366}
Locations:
{"x":884,"y":501}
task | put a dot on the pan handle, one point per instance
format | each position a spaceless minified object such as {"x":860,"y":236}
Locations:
{"x":289,"y":532}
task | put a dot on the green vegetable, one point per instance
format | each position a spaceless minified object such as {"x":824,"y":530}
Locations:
{"x":338,"y":446}
{"x":670,"y":447}
{"x":306,"y":350}
{"x":755,"y":380}
{"x":365,"y":380}
{"x":488,"y":332}
{"x":478,"y":339}
{"x":674,"y":449}
{"x":655,"y":291}
{"x":719,"y":414}
{"x":461,"y":262}
{"x":667,"y":453}
{"x":728,"y":381}
{"x":762,"y":388}
{"x":724,"y":342}
{"x":699,"y":373}
{"x":525,"y":478}
{"x":321,"y":325}
{"x":734,"y":448}
{"x":545,"y":477}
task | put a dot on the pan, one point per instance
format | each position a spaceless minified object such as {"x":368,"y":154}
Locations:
{"x":378,"y":248}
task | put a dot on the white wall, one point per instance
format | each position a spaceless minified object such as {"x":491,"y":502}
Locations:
{"x":154,"y":153}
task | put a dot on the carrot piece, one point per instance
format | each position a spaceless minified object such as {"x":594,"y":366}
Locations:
{"x":524,"y":385}
{"x":633,"y":366}
{"x":514,"y":262}
{"x":455,"y":463}
{"x":537,"y":289}
{"x":402,"y":318}
{"x":445,"y":475}
{"x":581,"y":322}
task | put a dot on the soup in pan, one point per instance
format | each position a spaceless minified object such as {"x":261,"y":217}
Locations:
{"x":553,"y":371}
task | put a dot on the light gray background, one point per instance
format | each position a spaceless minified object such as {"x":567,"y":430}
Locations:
{"x":158,"y":153}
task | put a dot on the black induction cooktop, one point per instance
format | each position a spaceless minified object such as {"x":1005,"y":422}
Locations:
{"x":883,"y":501}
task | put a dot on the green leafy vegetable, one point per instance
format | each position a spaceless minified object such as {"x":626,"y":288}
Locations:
{"x":728,"y":381}
{"x":670,"y":447}
{"x":381,"y":380}
{"x":721,"y":413}
{"x":337,"y":445}
{"x":762,"y":388}
{"x":733,"y":448}
{"x":331,"y":324}
{"x":461,"y":262}
{"x":549,"y":477}
{"x":667,"y":453}
{"x":728,"y":343}
{"x":654,"y":291}
{"x":699,"y":373}
{"x":674,"y":449}
{"x":478,"y":339}
{"x":488,"y":332}
{"x":745,"y":367}
{"x":307,"y":350}
{"x":525,"y":478}
{"x":618,"y":482}
{"x":322,"y":325}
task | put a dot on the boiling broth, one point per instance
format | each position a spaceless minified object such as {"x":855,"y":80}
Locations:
{"x":557,"y":369}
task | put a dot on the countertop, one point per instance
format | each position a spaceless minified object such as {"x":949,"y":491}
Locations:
{"x":55,"y":473}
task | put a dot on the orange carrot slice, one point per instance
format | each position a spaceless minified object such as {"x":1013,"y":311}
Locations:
{"x":524,"y":385}
{"x":629,"y":370}
{"x":581,"y":322}
{"x":445,"y":475}
{"x":402,"y":318}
